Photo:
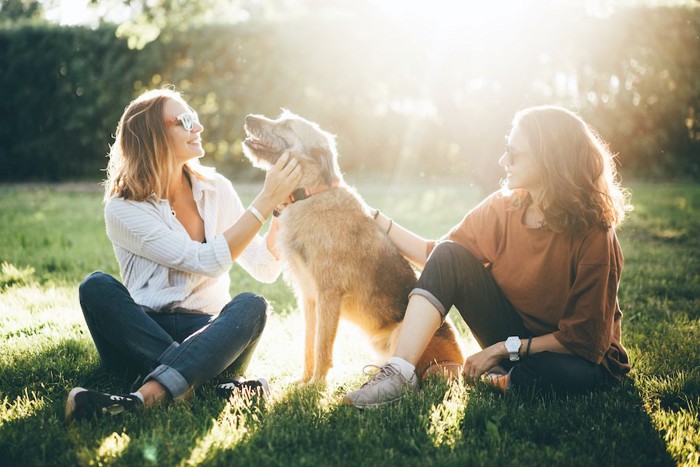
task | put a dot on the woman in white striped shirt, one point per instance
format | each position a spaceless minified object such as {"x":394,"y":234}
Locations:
{"x":176,"y":228}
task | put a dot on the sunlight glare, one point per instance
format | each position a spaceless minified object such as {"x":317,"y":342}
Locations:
{"x":445,"y":422}
{"x":82,"y":12}
{"x":477,"y":32}
{"x":113,"y":446}
{"x":444,"y":20}
{"x":24,"y":406}
{"x":229,"y":430}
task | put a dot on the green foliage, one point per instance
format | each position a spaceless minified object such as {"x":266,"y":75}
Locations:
{"x":398,"y":102}
{"x":16,"y":10}
{"x":52,"y":236}
{"x":63,"y":90}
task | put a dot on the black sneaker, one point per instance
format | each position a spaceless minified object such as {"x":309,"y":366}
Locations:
{"x":82,"y":403}
{"x":239,"y":385}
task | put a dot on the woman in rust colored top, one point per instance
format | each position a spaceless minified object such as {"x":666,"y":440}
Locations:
{"x":533,"y":270}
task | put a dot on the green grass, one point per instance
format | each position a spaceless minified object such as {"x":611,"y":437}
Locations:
{"x":51,"y":237}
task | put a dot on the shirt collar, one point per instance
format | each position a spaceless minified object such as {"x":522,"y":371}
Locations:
{"x":199,"y":186}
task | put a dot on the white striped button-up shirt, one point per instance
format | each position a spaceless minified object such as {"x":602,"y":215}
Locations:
{"x":162,"y":266}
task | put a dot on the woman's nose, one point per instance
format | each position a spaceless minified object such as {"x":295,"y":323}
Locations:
{"x":504,"y":161}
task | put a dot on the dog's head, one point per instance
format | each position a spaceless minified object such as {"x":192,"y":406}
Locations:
{"x":268,"y":139}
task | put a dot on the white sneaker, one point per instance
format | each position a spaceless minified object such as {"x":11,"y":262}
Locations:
{"x":386,"y":385}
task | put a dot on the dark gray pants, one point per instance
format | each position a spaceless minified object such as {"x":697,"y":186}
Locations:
{"x":453,"y":277}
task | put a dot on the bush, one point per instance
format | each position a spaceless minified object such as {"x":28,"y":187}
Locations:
{"x":62,"y":91}
{"x":632,"y":75}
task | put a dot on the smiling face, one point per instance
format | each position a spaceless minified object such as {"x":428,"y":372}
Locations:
{"x":520,"y":164}
{"x":186,"y":145}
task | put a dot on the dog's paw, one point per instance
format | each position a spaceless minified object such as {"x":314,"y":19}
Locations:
{"x":310,"y":382}
{"x":318,"y":381}
{"x":447,"y":370}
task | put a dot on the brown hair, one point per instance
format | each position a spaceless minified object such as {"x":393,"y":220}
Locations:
{"x":581,"y":187}
{"x":140,"y":161}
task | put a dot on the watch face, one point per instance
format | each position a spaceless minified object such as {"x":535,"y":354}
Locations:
{"x":513,"y":344}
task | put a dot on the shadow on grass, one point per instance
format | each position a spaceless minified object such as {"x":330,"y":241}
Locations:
{"x":443,"y":424}
{"x":33,"y":431}
{"x":34,"y":387}
{"x":455,"y":426}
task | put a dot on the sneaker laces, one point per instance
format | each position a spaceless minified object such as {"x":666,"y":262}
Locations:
{"x":239,"y":384}
{"x":117,"y":405}
{"x":380,"y":373}
{"x":229,"y":386}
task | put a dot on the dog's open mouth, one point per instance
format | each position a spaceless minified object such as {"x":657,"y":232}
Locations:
{"x":265,"y":145}
{"x":262,"y":148}
{"x":257,"y":145}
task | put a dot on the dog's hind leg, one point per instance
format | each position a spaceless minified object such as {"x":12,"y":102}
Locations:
{"x":309,"y":310}
{"x":327,"y":317}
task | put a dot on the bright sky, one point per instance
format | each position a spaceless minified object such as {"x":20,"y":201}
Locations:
{"x":447,"y":12}
{"x":72,"y":12}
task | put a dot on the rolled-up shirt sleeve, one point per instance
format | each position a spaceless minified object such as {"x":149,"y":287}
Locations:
{"x":143,"y":229}
{"x":588,"y":321}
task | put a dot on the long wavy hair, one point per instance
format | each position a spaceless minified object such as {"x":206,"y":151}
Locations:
{"x":581,"y":186}
{"x":140,"y":160}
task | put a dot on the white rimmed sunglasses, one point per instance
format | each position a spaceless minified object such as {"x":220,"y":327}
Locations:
{"x":187,"y":120}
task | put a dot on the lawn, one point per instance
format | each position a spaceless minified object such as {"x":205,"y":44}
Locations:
{"x":52,"y":236}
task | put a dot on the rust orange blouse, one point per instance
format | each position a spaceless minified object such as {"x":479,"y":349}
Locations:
{"x":560,"y":284}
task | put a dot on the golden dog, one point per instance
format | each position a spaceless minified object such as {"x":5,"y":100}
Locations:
{"x":337,"y":260}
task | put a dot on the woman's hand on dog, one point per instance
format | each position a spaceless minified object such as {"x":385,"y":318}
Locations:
{"x":282,"y":179}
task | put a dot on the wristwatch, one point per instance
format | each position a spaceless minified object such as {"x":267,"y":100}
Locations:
{"x":513,"y":347}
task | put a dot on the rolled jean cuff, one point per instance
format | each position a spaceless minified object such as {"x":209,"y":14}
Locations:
{"x":169,"y":377}
{"x":431,"y":298}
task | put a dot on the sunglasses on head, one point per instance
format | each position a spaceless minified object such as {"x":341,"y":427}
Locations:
{"x":187,"y":120}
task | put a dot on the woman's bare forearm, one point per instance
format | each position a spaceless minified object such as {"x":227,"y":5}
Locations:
{"x":240,"y":234}
{"x":412,"y":246}
{"x":279,"y":182}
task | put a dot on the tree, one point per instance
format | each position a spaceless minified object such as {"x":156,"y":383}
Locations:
{"x":15,"y":10}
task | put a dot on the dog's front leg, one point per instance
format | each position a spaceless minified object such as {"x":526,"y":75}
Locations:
{"x":327,"y":317}
{"x":309,"y":309}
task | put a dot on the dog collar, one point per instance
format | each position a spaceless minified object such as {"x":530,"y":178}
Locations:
{"x":301,"y":194}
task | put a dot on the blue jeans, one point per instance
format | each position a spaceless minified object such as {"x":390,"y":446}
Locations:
{"x":179,"y":350}
{"x":452,"y":276}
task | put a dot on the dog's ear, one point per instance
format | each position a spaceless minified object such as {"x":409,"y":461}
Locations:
{"x":325,"y":159}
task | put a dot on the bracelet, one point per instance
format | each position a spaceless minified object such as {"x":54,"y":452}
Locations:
{"x":253,"y":210}
{"x":391,"y":222}
{"x":376,"y":214}
{"x":527,"y":351}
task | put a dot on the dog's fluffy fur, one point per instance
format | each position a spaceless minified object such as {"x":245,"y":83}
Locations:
{"x":338,"y":261}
